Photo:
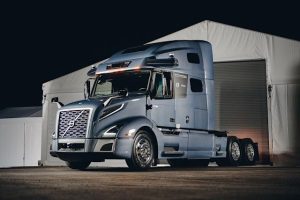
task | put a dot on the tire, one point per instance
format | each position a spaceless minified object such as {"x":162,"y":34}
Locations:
{"x":78,"y":165}
{"x":248,"y":152}
{"x":188,"y":163}
{"x":233,"y":153}
{"x":143,"y":152}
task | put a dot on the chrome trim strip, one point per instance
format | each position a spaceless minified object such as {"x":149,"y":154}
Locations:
{"x":76,"y":141}
{"x":112,"y":112}
{"x":108,"y":100}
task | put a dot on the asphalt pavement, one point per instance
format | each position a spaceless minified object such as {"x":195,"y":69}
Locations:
{"x":157,"y":183}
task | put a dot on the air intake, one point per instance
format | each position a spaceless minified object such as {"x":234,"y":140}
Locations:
{"x":162,"y":62}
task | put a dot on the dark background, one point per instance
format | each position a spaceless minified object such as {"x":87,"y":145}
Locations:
{"x":43,"y":40}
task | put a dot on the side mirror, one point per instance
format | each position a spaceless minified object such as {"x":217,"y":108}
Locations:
{"x":57,"y":102}
{"x":87,"y":89}
{"x":122,"y":92}
{"x":92,"y":72}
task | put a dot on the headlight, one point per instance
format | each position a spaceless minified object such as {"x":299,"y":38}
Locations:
{"x":111,"y":132}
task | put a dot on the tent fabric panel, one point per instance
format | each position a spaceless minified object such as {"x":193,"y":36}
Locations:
{"x":281,"y":142}
{"x":230,"y":43}
{"x":284,"y":60}
{"x":20,"y":143}
{"x":11,"y":143}
{"x":285,"y":124}
{"x":33,"y":129}
{"x":293,"y":103}
{"x":195,"y":32}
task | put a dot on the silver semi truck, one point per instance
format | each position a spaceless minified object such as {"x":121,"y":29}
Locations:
{"x":149,"y":103}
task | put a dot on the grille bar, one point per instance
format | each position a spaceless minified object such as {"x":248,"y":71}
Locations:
{"x":73,"y":123}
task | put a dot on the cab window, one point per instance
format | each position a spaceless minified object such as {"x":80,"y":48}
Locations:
{"x":163,"y":88}
{"x":180,"y":85}
{"x":196,"y":85}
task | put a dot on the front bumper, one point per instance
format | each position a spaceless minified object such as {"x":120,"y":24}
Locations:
{"x":91,"y":149}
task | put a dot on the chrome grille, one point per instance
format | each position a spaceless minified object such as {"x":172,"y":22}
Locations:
{"x":73,"y":123}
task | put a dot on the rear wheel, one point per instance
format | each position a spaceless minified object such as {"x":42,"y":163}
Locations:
{"x":78,"y":165}
{"x":142,"y":152}
{"x":188,"y":163}
{"x":248,"y":151}
{"x":233,"y":153}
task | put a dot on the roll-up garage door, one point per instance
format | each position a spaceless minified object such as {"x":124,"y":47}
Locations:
{"x":241,"y":102}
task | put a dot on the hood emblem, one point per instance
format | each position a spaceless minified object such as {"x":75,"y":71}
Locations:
{"x":71,"y":123}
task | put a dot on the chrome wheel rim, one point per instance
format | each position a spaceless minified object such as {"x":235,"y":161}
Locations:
{"x":143,"y":151}
{"x":250,"y":152}
{"x":235,"y":151}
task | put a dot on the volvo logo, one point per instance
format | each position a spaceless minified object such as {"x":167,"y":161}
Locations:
{"x":71,"y":123}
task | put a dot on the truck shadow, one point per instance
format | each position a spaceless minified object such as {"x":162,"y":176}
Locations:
{"x":168,"y":168}
{"x":126,"y":169}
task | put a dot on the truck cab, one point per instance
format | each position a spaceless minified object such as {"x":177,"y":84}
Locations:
{"x":148,"y":103}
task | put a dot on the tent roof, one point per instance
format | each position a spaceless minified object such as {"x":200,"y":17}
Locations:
{"x":20,"y":112}
{"x":200,"y":26}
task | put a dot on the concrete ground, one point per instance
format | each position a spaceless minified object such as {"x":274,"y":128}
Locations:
{"x":157,"y":183}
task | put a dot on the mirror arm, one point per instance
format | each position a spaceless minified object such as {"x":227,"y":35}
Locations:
{"x":57,"y":102}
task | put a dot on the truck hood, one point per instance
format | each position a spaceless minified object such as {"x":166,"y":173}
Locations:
{"x":101,"y":104}
{"x":109,"y":111}
{"x":88,"y":103}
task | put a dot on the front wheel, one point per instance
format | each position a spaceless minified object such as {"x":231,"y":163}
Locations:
{"x":142,"y":152}
{"x":78,"y":165}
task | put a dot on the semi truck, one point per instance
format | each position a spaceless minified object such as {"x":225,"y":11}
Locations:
{"x":147,"y":104}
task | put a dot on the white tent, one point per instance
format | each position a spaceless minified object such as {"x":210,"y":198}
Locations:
{"x":20,"y":136}
{"x":281,"y":61}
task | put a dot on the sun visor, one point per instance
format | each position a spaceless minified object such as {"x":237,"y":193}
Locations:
{"x":107,"y":67}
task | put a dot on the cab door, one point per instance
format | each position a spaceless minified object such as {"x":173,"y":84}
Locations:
{"x":160,"y":104}
{"x":183,"y":104}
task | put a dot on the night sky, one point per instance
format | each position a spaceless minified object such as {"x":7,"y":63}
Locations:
{"x":42,"y":41}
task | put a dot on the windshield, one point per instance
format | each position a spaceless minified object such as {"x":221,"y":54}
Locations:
{"x":131,"y":81}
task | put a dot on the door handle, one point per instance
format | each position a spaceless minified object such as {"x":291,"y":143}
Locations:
{"x":187,"y":119}
{"x":148,"y":107}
